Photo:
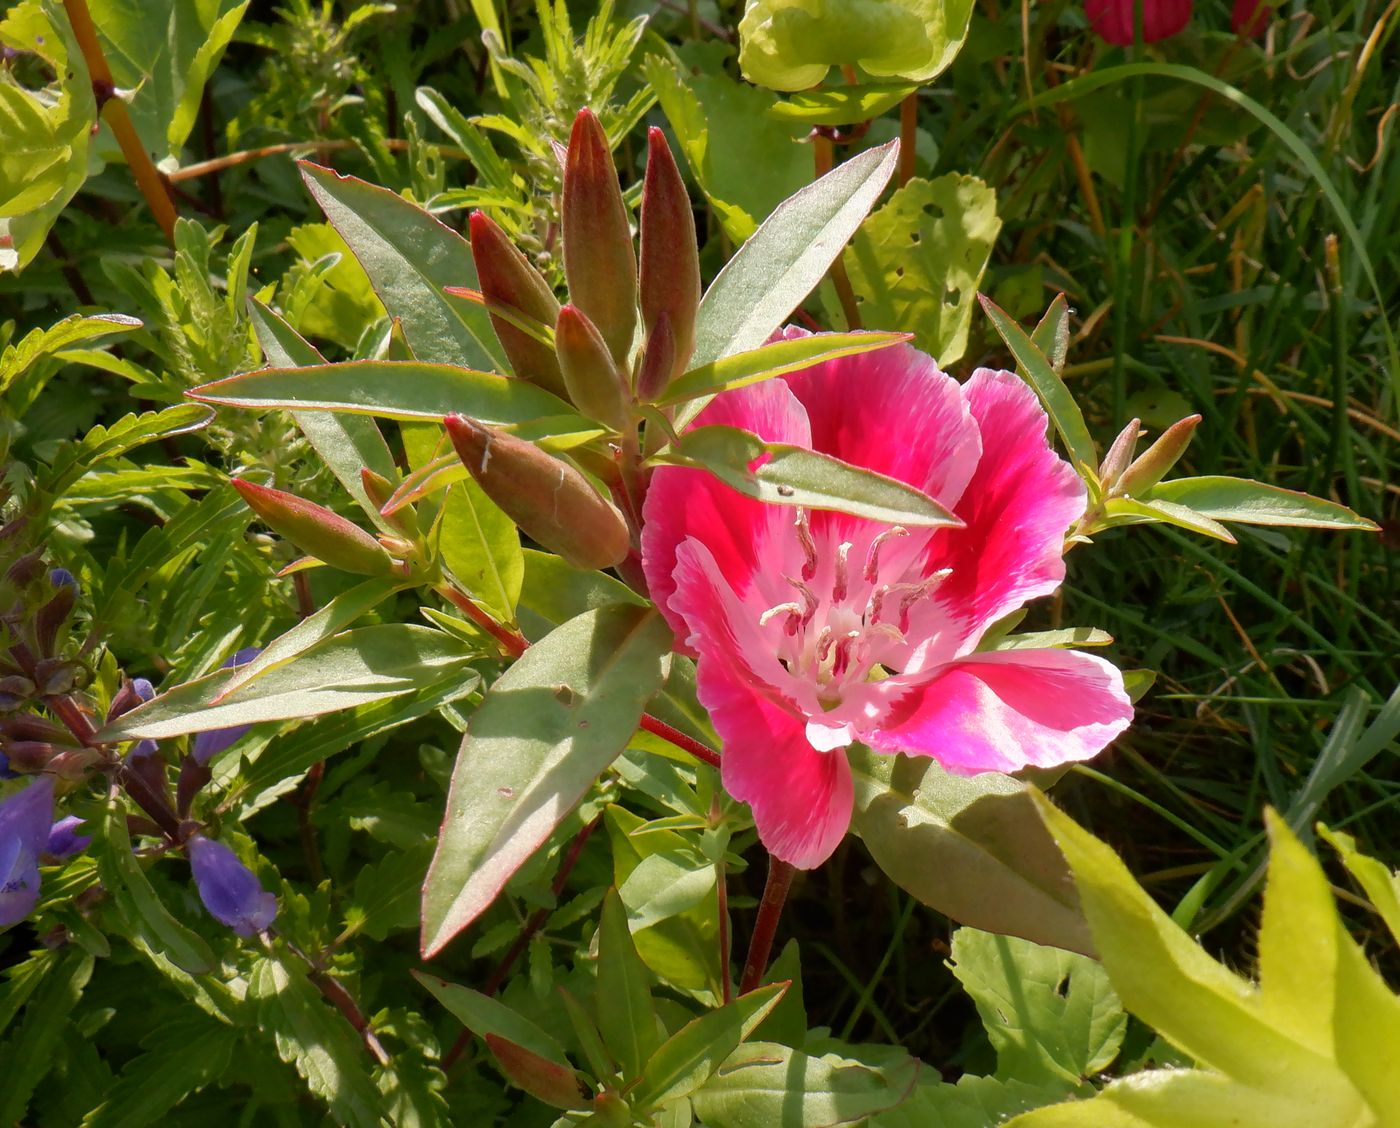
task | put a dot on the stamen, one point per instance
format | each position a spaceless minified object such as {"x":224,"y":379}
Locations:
{"x":809,"y":599}
{"x":781,"y":609}
{"x":809,"y":546}
{"x":823,"y":647}
{"x":917,"y":592}
{"x":838,"y":589}
{"x":845,"y":653}
{"x":872,"y":555}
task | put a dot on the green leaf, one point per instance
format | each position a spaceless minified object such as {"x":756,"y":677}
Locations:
{"x":351,"y":668}
{"x":29,"y":1053}
{"x":1051,"y":336}
{"x":410,"y":258}
{"x":481,"y":547}
{"x":918,"y":260}
{"x":626,"y":1017}
{"x":1051,"y":1015}
{"x":1033,"y":367}
{"x":391,"y":389}
{"x":552,"y":593}
{"x":198,"y":72}
{"x":665,"y":884}
{"x":763,"y":1084}
{"x":136,"y":902}
{"x":785,"y":259}
{"x":37,"y":344}
{"x":316,"y":1040}
{"x":548,"y":728}
{"x":1382,"y":886}
{"x":843,"y":105}
{"x":774,"y":359}
{"x":345,"y":442}
{"x":783,"y":474}
{"x":1128,"y":511}
{"x":1040,"y":640}
{"x":102,"y":444}
{"x":1255,"y":503}
{"x":687,"y":1059}
{"x":971,"y":847}
{"x":1366,"y":1022}
{"x":181,"y":1057}
{"x":556,"y":1085}
{"x":483,"y":1015}
{"x":974,"y":1102}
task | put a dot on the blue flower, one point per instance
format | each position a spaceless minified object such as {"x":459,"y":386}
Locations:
{"x":207,"y":745}
{"x":64,"y":839}
{"x":60,"y":577}
{"x":228,"y":888}
{"x":25,"y":820}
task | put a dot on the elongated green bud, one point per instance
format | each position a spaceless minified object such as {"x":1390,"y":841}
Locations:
{"x":658,"y":361}
{"x":599,"y":261}
{"x":1155,"y":462}
{"x":507,"y":279}
{"x":547,"y":498}
{"x":316,"y":530}
{"x":379,"y":490}
{"x":1120,"y":453}
{"x":670,"y":266}
{"x":595,"y":385}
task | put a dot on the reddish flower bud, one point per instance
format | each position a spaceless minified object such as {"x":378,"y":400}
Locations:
{"x":599,"y":261}
{"x":1157,"y":460}
{"x":547,"y":498}
{"x":379,"y":490}
{"x":670,"y":266}
{"x":658,"y":361}
{"x":317,"y":530}
{"x":1249,"y":18}
{"x":595,"y":385}
{"x":508,"y":280}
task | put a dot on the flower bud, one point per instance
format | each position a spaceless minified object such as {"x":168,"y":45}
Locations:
{"x":379,"y":490}
{"x":25,"y":819}
{"x":228,"y":888}
{"x":658,"y":361}
{"x":1157,"y":460}
{"x":132,"y":693}
{"x":507,"y":279}
{"x":144,"y":778}
{"x":595,"y":385}
{"x":317,"y":530}
{"x":30,"y":726}
{"x":599,"y":261}
{"x":31,"y":755}
{"x":64,"y":839}
{"x":1120,"y":453}
{"x":670,"y":263}
{"x":546,"y":497}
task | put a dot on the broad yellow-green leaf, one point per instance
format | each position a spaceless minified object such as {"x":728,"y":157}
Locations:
{"x":481,"y":548}
{"x":1375,"y":877}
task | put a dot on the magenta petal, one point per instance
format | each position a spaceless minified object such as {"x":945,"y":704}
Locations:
{"x":683,"y":503}
{"x":1113,"y":19}
{"x":801,"y":798}
{"x":1016,"y":510}
{"x":1009,"y":709}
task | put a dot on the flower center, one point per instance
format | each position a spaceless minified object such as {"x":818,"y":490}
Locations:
{"x":839,"y":633}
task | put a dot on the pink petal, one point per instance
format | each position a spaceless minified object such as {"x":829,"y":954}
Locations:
{"x":1113,"y":19}
{"x":683,"y":503}
{"x":801,"y":798}
{"x":1004,"y":710}
{"x":1016,"y":510}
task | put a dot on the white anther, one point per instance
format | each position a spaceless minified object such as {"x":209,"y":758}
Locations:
{"x":780,"y":609}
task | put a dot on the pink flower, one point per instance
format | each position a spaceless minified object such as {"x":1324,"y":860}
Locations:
{"x":815,"y":630}
{"x":1113,"y":19}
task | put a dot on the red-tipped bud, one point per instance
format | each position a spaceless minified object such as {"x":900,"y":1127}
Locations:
{"x":1120,"y":453}
{"x":658,"y":361}
{"x":670,"y":267}
{"x":508,"y":280}
{"x":379,"y":490}
{"x":595,"y":385}
{"x":316,"y":530}
{"x":1155,"y":462}
{"x":547,"y":498}
{"x":598,"y":258}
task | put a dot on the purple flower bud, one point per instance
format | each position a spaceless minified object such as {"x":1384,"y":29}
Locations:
{"x":144,"y":689}
{"x":143,"y":749}
{"x":207,"y":745}
{"x":61,"y":577}
{"x":25,"y":819}
{"x":5,"y":772}
{"x":228,"y":888}
{"x":64,"y":839}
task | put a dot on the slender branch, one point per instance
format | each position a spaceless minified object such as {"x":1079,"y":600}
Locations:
{"x":335,"y":993}
{"x":247,"y":156}
{"x":908,"y":137}
{"x":118,"y":118}
{"x":823,"y":159}
{"x":514,"y":643}
{"x":658,"y":727}
{"x":770,"y":910}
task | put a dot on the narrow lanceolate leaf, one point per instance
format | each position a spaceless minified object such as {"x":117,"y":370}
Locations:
{"x":782,"y":474}
{"x":1051,"y":336}
{"x":971,"y":847}
{"x":688,"y":1058}
{"x":481,"y":547}
{"x":626,"y":1017}
{"x":775,"y":359}
{"x":1382,"y":885}
{"x":556,"y":1085}
{"x":390,"y":389}
{"x":548,"y":728}
{"x":352,"y":668}
{"x":1127,"y":511}
{"x":483,"y":1015}
{"x":410,"y":258}
{"x":1255,"y":503}
{"x":763,"y":1083}
{"x":1033,"y":367}
{"x":31,"y":1051}
{"x":787,"y":256}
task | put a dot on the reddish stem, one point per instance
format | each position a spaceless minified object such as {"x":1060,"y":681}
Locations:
{"x":514,"y":643}
{"x":908,"y":137}
{"x":770,"y":910}
{"x":660,"y":728}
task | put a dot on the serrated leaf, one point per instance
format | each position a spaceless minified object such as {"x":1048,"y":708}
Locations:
{"x":548,"y":728}
{"x":73,"y":460}
{"x":784,"y":474}
{"x":971,"y":847}
{"x":180,"y":1057}
{"x":352,"y":668}
{"x":918,"y":260}
{"x":1382,"y":885}
{"x":29,"y":1052}
{"x":1256,"y":503}
{"x":40,"y":343}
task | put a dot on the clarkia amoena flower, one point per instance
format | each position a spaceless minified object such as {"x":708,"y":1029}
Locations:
{"x":25,"y":820}
{"x":814,"y":630}
{"x":1161,"y":19}
{"x":207,"y":745}
{"x":228,"y":888}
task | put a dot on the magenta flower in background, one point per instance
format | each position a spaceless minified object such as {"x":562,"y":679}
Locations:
{"x":816,"y":630}
{"x":229,"y":889}
{"x":1113,"y":19}
{"x":25,"y":820}
{"x":1249,"y":18}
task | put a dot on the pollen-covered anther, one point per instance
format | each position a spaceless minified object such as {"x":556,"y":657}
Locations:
{"x":803,"y":524}
{"x":809,"y":599}
{"x":872,"y":554}
{"x":840,"y":587}
{"x":793,"y":610}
